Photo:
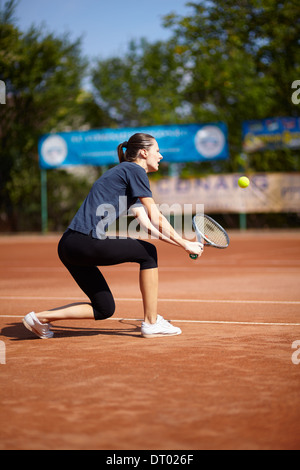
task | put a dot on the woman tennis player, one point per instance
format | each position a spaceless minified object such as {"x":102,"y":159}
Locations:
{"x":85,"y":246}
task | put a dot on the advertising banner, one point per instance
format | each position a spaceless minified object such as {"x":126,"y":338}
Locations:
{"x":178,"y":143}
{"x":268,"y":192}
{"x":274,"y":133}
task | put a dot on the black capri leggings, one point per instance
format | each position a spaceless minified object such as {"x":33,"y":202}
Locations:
{"x":81,"y":254}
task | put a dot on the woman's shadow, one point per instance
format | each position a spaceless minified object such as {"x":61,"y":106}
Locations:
{"x":17,"y":332}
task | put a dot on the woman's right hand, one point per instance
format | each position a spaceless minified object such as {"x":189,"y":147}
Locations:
{"x":193,"y":248}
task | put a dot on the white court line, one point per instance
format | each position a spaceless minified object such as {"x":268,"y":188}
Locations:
{"x":220,"y":322}
{"x":209,"y":322}
{"x":123,"y":299}
{"x":273,"y":267}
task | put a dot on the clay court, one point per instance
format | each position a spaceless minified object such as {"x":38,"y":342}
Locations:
{"x":230,"y":381}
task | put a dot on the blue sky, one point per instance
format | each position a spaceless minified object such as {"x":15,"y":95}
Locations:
{"x":107,"y":26}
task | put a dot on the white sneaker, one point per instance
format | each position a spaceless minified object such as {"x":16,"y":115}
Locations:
{"x":161,"y":328}
{"x":32,"y":323}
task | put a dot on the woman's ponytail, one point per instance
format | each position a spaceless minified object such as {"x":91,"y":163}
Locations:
{"x":121,"y":154}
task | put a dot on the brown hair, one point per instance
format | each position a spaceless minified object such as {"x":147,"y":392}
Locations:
{"x":136,"y":143}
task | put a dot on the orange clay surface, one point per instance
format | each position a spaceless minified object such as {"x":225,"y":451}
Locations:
{"x":230,"y":381}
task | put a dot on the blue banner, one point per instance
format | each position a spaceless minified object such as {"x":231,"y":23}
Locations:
{"x":270,"y":134}
{"x":177,"y":143}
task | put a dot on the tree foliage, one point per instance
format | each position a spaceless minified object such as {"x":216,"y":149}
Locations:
{"x":229,"y":61}
{"x":43,"y":75}
{"x":140,"y":88}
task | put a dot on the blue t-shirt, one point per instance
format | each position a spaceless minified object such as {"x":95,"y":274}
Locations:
{"x":110,"y":197}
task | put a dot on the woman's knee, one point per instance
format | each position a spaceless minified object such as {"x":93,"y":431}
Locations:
{"x":104,"y":306}
{"x":149,"y":260}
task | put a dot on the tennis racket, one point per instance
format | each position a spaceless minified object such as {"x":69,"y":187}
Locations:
{"x":209,"y":232}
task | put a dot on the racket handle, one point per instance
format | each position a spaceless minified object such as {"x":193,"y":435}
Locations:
{"x":194,"y":256}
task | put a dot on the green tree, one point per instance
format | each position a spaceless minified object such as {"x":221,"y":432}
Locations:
{"x":240,"y":58}
{"x":43,"y":76}
{"x":141,"y":87}
{"x":230,"y":60}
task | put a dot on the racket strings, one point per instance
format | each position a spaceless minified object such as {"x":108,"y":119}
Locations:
{"x":214,"y":234}
{"x":211,"y":231}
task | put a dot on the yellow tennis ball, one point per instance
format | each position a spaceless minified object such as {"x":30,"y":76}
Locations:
{"x":243,"y":182}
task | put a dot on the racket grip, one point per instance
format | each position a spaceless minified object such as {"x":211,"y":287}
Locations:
{"x":194,"y":256}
